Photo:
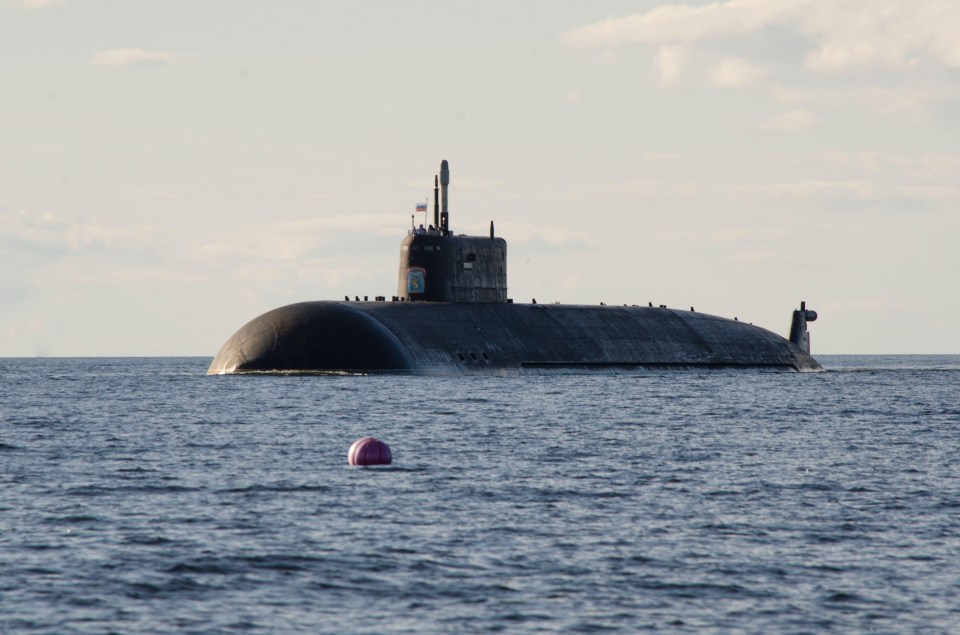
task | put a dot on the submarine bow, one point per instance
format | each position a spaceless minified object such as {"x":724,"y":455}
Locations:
{"x":312,"y":336}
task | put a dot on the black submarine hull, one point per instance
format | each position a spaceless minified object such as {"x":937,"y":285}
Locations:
{"x":439,"y":338}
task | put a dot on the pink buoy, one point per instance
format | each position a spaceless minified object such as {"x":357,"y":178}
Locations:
{"x":369,"y":451}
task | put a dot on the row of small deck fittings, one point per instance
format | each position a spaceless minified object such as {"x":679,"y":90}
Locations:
{"x":383,"y":298}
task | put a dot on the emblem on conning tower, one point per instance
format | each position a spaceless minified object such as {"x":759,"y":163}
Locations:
{"x":416,"y":280}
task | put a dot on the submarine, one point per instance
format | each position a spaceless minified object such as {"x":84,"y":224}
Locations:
{"x":452,"y":316}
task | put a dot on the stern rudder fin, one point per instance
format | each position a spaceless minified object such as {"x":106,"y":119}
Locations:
{"x":799,"y":334}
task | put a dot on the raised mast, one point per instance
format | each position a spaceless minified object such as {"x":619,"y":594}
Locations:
{"x":444,"y":182}
{"x":436,"y":202}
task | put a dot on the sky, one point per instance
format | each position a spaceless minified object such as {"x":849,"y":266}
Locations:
{"x":171,"y":169}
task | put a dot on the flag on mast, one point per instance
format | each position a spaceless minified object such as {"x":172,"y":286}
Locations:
{"x":421,"y":207}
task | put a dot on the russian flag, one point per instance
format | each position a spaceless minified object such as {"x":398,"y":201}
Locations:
{"x":421,"y":207}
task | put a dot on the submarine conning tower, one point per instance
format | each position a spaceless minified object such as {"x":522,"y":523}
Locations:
{"x":438,"y":266}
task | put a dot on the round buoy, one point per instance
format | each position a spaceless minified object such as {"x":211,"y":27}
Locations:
{"x":369,"y":451}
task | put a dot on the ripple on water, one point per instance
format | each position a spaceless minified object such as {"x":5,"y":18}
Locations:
{"x":142,"y":496}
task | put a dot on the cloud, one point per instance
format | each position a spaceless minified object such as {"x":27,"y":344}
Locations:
{"x":133,"y":57}
{"x":652,"y":188}
{"x":888,"y":167}
{"x":44,"y":254}
{"x":927,"y":165}
{"x":287,"y":241}
{"x":661,"y":157}
{"x":31,"y":245}
{"x":867,"y":34}
{"x":823,"y":189}
{"x":51,"y":234}
{"x":866,"y":305}
{"x":752,"y":256}
{"x":672,"y":24}
{"x":929,"y":192}
{"x":794,"y":121}
{"x":911,"y":100}
{"x":47,"y":238}
{"x":552,"y":235}
{"x":667,"y":63}
{"x":31,"y":5}
{"x":739,"y":244}
{"x":283,"y":242}
{"x":734,"y":72}
{"x":839,"y":37}
{"x":470,"y":184}
{"x":827,"y":177}
{"x":725,"y":235}
{"x":608,"y":57}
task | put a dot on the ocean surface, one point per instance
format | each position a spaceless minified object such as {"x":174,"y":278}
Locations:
{"x":142,"y":496}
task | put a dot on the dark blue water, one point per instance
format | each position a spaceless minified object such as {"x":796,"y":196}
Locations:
{"x":141,"y":496}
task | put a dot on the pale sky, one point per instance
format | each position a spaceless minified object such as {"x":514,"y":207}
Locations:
{"x":171,"y":169}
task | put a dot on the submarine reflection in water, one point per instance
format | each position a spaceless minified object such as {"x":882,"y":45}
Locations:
{"x":451,"y":315}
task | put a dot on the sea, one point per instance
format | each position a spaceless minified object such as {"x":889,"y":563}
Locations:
{"x":139,"y":495}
